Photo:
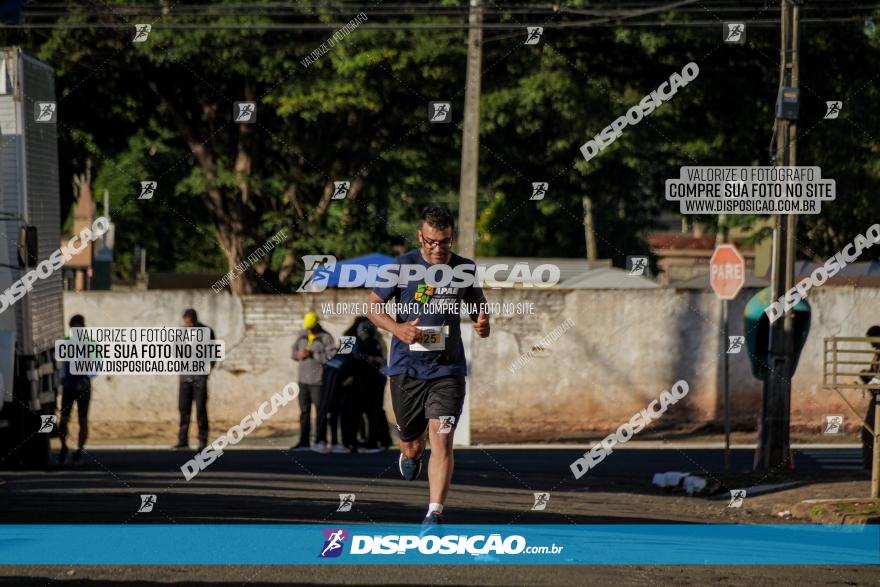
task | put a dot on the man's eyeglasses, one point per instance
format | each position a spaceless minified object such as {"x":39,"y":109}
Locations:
{"x":430,"y":243}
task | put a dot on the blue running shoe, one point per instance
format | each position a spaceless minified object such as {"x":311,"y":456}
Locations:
{"x":431,"y":525}
{"x":410,"y":468}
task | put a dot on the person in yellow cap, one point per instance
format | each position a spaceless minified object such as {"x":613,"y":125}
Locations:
{"x":313,"y":347}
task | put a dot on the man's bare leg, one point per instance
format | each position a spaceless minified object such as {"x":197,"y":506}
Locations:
{"x":441,"y":462}
{"x":413,"y":449}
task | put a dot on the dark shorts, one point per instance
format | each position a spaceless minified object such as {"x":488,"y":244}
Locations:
{"x":416,"y":401}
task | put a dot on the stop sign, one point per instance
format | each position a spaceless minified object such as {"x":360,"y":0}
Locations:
{"x":727,"y":272}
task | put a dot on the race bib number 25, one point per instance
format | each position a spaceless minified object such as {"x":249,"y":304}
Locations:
{"x":433,"y":339}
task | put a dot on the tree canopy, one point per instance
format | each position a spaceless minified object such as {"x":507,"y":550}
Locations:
{"x":162,"y":110}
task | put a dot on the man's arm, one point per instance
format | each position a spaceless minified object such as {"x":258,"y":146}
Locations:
{"x":481,"y":321}
{"x":299,"y":353}
{"x":211,"y":331}
{"x":406,"y":331}
{"x":481,"y":317}
{"x":874,"y":368}
{"x":327,"y":348}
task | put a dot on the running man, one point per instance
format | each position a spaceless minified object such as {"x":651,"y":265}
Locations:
{"x":427,"y":367}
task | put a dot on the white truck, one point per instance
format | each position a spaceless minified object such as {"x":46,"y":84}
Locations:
{"x":29,"y":233}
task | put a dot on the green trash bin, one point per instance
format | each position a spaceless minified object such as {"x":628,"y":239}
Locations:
{"x":757,"y":331}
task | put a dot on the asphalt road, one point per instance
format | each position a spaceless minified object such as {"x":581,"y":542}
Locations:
{"x":493,"y":486}
{"x":280,"y":486}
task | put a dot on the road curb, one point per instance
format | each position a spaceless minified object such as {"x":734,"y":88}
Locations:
{"x":838,"y":511}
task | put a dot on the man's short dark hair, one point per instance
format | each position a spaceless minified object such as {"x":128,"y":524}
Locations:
{"x":874,"y":331}
{"x":191,"y":314}
{"x":77,"y":321}
{"x":438,"y":217}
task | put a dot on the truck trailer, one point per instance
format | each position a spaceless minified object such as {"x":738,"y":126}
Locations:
{"x":29,"y":233}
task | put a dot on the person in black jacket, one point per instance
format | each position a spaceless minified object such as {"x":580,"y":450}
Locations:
{"x":75,"y":389}
{"x":871,"y":374}
{"x":354,"y":387}
{"x":359,"y":388}
{"x":193,"y":388}
{"x":328,"y":408}
{"x":350,"y":391}
{"x":370,"y":358}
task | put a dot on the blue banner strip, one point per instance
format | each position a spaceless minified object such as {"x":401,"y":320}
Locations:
{"x":653,"y":544}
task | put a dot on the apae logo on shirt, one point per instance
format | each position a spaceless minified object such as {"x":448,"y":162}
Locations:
{"x":424,"y":293}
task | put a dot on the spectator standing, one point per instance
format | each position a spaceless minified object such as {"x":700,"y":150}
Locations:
{"x":75,"y":389}
{"x":312,"y":348}
{"x":871,"y":375}
{"x":193,"y":388}
{"x":369,"y":357}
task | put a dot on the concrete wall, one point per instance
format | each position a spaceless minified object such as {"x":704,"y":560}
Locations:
{"x":624,"y":348}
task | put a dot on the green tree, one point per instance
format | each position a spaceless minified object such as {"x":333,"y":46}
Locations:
{"x":163,"y":110}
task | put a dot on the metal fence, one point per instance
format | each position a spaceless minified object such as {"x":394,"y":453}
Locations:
{"x":842,"y":357}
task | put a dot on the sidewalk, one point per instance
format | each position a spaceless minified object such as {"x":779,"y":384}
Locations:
{"x":697,"y":441}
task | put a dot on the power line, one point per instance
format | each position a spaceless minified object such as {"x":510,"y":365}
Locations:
{"x":616,"y":17}
{"x":277,"y":27}
{"x":387,"y":9}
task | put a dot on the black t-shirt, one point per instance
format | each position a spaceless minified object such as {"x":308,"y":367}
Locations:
{"x":416,"y":298}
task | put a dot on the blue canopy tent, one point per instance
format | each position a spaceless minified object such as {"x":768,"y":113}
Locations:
{"x":371,"y":260}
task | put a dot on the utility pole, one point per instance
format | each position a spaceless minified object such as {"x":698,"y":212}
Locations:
{"x":470,"y":140}
{"x":774,"y":449}
{"x":467,"y":207}
{"x":723,"y":237}
{"x":589,"y":233}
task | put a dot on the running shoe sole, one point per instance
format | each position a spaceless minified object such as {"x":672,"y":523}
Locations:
{"x":418,"y":467}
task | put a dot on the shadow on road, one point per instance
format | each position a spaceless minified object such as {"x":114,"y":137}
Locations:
{"x":275,"y":486}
